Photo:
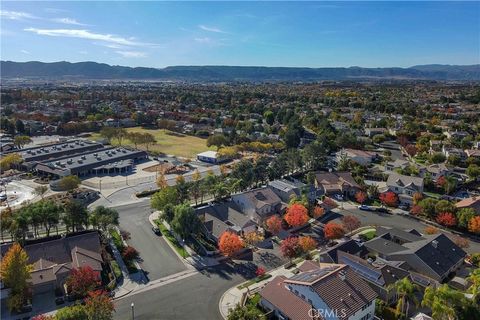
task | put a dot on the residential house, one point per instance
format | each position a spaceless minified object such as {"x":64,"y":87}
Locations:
{"x":359,"y":156}
{"x":287,"y":189}
{"x":435,"y":171}
{"x":330,"y":183}
{"x":473,"y":203}
{"x":258,"y":204}
{"x":435,"y":256}
{"x":475,"y":153}
{"x":397,"y":164}
{"x":53,"y":260}
{"x":333,"y":291}
{"x":404,"y":186}
{"x":379,"y":274}
{"x":226,"y":216}
{"x":455,"y":134}
{"x":351,"y":246}
{"x":450,"y":151}
{"x":370,"y":132}
{"x":211,"y":157}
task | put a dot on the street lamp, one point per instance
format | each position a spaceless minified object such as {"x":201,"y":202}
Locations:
{"x":133,"y":310}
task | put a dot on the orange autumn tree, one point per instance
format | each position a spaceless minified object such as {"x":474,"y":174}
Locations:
{"x":307,"y":243}
{"x":297,"y":215}
{"x":447,"y":219}
{"x":389,"y":198}
{"x":274,"y":224}
{"x":430,"y":230}
{"x":361,"y":197}
{"x":15,"y":273}
{"x":333,"y":231}
{"x":474,"y":225}
{"x":318,"y":212}
{"x":229,"y":243}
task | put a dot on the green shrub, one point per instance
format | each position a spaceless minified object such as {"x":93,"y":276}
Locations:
{"x":116,"y":269}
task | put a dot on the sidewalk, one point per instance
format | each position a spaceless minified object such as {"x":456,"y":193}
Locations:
{"x":129,"y":281}
{"x":233,"y":296}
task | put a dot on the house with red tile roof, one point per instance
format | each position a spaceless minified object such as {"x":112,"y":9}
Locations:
{"x":328,"y":291}
{"x":473,"y":203}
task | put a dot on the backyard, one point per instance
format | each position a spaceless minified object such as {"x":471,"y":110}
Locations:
{"x":167,"y":142}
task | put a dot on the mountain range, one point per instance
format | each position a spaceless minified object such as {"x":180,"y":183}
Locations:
{"x":94,"y":70}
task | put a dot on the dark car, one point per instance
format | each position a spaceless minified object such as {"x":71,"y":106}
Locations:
{"x":157,"y":231}
{"x":383,"y":210}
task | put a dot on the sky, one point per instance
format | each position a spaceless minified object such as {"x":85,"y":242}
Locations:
{"x":289,"y":34}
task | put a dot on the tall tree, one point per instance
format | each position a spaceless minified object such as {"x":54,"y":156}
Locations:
{"x":405,"y":290}
{"x":21,"y":141}
{"x":161,"y":198}
{"x":82,"y":280}
{"x":229,"y":243}
{"x":185,"y":222}
{"x":75,"y":216}
{"x":103,"y":217}
{"x":15,"y":273}
{"x":99,"y":306}
{"x":443,"y":301}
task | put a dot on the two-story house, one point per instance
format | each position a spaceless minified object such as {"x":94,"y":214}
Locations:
{"x":320,"y":291}
{"x":258,"y":204}
{"x":404,"y":186}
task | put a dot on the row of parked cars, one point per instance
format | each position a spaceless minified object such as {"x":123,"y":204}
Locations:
{"x":376,"y":209}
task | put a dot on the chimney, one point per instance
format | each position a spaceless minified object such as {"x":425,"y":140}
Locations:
{"x":341,"y":275}
{"x":435,"y":244}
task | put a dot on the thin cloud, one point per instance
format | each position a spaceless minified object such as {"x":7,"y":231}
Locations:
{"x":204,"y":40}
{"x":68,"y":21}
{"x":25,"y":51}
{"x":54,"y":10}
{"x":17,"y":15}
{"x":132,"y":54}
{"x":211,"y":29}
{"x":86,"y":34}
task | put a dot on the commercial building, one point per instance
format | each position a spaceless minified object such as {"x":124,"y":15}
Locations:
{"x":109,"y":160}
{"x":211,"y":157}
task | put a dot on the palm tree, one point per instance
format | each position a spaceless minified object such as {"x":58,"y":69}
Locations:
{"x":405,"y":290}
{"x":474,"y":278}
{"x":442,"y":301}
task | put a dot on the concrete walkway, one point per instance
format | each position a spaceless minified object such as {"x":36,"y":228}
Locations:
{"x":234,"y":296}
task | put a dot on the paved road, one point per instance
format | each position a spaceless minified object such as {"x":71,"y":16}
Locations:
{"x":158,"y":258}
{"x":196,"y":297}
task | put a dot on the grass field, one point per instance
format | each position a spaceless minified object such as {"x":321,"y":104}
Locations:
{"x":168,"y":142}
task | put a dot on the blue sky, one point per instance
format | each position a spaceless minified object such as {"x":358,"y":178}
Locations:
{"x":310,"y":34}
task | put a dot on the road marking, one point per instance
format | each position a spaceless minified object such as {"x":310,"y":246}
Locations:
{"x":162,"y":282}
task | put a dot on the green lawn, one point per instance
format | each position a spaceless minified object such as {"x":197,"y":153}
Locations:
{"x":168,"y":142}
{"x":170,"y":238}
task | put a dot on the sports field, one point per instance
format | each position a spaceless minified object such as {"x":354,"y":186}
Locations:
{"x":168,"y":142}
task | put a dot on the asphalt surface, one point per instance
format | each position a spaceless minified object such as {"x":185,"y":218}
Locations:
{"x":196,"y":297}
{"x":157,"y":258}
{"x":394,"y":148}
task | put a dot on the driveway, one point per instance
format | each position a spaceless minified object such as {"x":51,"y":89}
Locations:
{"x":157,"y":258}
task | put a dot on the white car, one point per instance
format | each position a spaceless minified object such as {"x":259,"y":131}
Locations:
{"x":338,"y":197}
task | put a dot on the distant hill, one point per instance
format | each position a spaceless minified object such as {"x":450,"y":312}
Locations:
{"x":93,"y":70}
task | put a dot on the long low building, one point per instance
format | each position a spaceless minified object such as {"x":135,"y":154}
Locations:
{"x":57,"y":150}
{"x":103,"y":161}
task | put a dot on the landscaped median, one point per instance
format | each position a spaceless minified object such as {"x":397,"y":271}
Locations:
{"x":129,"y":254}
{"x":167,"y":234}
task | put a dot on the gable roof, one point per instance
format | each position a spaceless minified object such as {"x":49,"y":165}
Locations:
{"x":262,"y":197}
{"x":335,"y":180}
{"x":288,"y":303}
{"x":395,"y":179}
{"x":338,"y":286}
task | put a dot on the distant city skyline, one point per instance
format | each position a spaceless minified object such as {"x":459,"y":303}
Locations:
{"x":290,"y":34}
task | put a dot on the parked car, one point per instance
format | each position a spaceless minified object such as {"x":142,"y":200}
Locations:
{"x":364,"y":207}
{"x":338,"y":197}
{"x":382,"y":209}
{"x":157,"y":231}
{"x":403,"y":207}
